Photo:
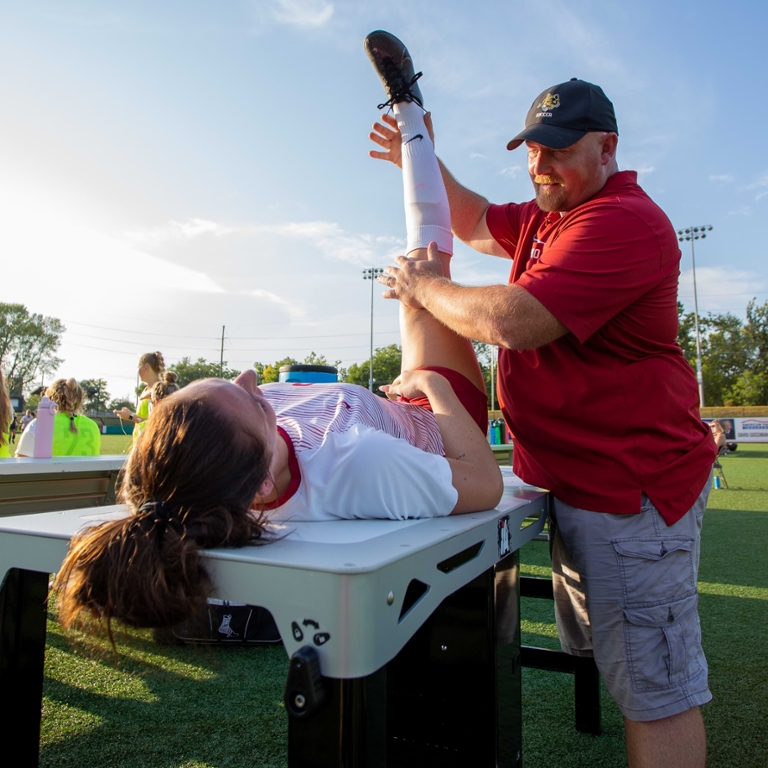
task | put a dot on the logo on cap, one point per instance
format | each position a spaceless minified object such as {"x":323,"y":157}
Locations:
{"x":549,"y":103}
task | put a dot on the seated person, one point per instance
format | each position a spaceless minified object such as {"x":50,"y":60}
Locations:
{"x":73,"y":433}
{"x":718,"y":433}
{"x":218,"y":460}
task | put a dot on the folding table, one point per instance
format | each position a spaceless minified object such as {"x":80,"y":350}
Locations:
{"x":404,"y":637}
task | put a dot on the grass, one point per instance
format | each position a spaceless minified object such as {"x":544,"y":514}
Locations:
{"x":112,"y":444}
{"x":159,"y":707}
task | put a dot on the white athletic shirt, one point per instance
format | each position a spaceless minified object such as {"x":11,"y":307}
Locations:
{"x":359,"y":456}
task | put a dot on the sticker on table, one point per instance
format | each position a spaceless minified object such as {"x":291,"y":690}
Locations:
{"x":504,"y":545}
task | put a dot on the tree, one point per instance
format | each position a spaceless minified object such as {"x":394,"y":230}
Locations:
{"x":189,"y":371}
{"x":28,"y":345}
{"x":120,"y":402}
{"x":386,"y":367}
{"x":483,"y":352}
{"x":751,"y":386}
{"x":96,"y":395}
{"x":269,"y":374}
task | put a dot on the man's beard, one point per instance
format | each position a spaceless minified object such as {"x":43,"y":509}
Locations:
{"x":549,"y":200}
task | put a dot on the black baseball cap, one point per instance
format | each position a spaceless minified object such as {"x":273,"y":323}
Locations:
{"x":564,"y":113}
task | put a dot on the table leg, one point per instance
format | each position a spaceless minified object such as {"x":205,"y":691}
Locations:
{"x":347,"y":731}
{"x":453,"y":693}
{"x":23,"y":614}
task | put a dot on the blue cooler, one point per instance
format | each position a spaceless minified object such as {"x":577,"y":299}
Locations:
{"x":308,"y":374}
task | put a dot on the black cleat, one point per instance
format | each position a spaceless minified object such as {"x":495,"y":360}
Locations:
{"x":393,"y":63}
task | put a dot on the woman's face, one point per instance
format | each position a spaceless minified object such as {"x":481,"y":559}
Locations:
{"x":145,"y":372}
{"x":244,"y":398}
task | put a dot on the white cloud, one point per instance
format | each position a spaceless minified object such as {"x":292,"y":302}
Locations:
{"x":476,"y":156}
{"x":760,"y":183}
{"x":724,"y":177}
{"x":718,"y":289}
{"x":513,"y":171}
{"x":328,"y":237}
{"x":645,"y":170}
{"x":298,"y":13}
{"x":745,"y":210}
{"x":293,"y":310}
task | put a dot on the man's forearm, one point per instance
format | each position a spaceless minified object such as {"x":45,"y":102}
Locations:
{"x":503,"y":315}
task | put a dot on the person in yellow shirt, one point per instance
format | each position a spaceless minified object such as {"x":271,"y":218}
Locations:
{"x":151,"y":371}
{"x":6,"y":417}
{"x":73,"y":433}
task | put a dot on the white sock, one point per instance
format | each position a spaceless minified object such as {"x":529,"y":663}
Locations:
{"x":427,"y":215}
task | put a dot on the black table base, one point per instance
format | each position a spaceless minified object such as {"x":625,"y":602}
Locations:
{"x":450,"y":698}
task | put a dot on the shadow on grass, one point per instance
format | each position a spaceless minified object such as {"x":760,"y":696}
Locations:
{"x":752,"y":454}
{"x":226,"y":712}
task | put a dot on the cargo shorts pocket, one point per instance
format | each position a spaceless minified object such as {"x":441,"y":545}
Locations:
{"x":663,"y":644}
{"x":655,"y":571}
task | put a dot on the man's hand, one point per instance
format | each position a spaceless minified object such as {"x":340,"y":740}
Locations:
{"x":406,"y":281}
{"x":388,"y":136}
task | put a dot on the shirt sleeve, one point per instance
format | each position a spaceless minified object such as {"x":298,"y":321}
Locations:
{"x":504,"y":222}
{"x":364,"y":473}
{"x":602,"y":261}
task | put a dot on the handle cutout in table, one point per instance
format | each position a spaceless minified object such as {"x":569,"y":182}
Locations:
{"x":413,"y":594}
{"x":461,"y":558}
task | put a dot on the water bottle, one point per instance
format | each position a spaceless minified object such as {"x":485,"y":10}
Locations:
{"x":492,"y":433}
{"x":46,"y":410}
{"x":717,"y":482}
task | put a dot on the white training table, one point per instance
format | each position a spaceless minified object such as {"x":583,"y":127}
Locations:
{"x":63,"y":482}
{"x":404,"y":637}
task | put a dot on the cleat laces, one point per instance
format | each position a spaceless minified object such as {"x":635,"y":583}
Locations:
{"x":397,"y":86}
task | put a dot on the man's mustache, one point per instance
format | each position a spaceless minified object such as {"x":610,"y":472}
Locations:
{"x":547,"y":180}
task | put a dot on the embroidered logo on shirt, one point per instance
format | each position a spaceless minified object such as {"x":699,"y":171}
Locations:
{"x":536,"y":251}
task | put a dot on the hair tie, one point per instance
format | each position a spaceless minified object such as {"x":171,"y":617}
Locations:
{"x":157,"y":511}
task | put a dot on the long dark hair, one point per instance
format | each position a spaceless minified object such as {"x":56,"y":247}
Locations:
{"x":190,"y":482}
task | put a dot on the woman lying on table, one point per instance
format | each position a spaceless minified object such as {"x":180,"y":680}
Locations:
{"x":219,"y":460}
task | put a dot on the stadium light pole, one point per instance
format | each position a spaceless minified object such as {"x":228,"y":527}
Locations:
{"x":371,"y":274}
{"x":692,"y":234}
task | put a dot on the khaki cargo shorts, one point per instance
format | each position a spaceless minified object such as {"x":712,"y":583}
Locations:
{"x":625,"y":593}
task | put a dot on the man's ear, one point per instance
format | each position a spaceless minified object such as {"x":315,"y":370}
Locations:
{"x":608,"y":150}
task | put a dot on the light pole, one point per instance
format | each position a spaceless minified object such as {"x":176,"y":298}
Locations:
{"x":371,"y":274}
{"x":694,"y":233}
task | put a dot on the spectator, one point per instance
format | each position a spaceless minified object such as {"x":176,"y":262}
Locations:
{"x":151,"y":370}
{"x":6,"y":417}
{"x":73,"y":433}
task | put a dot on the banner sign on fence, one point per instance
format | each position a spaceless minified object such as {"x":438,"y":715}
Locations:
{"x":744,"y":430}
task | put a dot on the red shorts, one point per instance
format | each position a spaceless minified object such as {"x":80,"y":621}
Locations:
{"x":474,"y":401}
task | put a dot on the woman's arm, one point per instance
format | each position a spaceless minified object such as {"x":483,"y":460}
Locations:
{"x":126,"y":415}
{"x":475,"y":471}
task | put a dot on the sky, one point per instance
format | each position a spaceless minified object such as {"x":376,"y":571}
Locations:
{"x":171,"y":169}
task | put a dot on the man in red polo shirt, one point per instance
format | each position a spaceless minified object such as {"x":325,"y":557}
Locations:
{"x":596,"y":391}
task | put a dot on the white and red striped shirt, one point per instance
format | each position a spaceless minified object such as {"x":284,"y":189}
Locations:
{"x":359,"y":455}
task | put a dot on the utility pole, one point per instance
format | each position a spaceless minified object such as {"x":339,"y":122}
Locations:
{"x":694,"y":233}
{"x":221,"y":356}
{"x":371,"y":274}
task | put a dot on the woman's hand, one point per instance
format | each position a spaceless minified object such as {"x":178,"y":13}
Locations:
{"x":123,"y":413}
{"x":410,"y":384}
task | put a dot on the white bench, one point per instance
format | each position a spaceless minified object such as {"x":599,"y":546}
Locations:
{"x":63,"y":482}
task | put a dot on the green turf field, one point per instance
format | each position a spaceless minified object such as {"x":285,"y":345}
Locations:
{"x":155,"y":707}
{"x":111,"y":444}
